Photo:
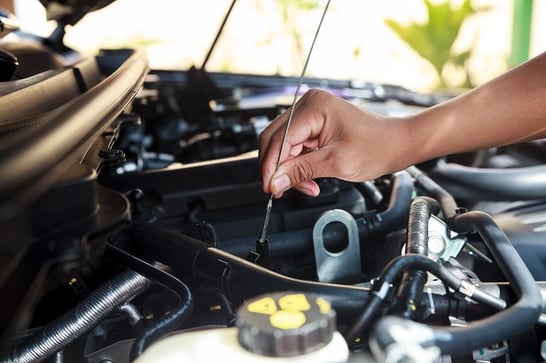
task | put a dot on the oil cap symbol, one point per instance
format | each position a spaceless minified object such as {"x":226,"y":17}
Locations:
{"x":285,"y":324}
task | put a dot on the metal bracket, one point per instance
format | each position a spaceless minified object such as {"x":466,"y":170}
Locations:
{"x":341,"y":266}
{"x":442,"y":243}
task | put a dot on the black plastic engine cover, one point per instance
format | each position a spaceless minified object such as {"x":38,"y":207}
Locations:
{"x":525,"y":226}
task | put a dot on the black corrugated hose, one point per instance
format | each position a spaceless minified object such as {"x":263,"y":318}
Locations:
{"x":411,"y":286}
{"x":81,"y":319}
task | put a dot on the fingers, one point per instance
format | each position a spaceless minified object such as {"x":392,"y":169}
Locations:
{"x":308,"y":187}
{"x":299,"y":173}
{"x":305,"y":126}
{"x":330,"y":137}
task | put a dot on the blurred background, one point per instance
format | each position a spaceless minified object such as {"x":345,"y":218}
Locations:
{"x":424,"y":45}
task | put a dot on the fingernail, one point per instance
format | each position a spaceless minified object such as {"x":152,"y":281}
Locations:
{"x":281,"y":183}
{"x":310,"y":191}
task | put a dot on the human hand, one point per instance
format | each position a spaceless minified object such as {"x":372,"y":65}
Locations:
{"x":329,"y":137}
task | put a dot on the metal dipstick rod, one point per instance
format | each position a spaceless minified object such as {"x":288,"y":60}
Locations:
{"x":261,"y":243}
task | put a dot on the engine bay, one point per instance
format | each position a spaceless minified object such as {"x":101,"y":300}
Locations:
{"x":132,"y":204}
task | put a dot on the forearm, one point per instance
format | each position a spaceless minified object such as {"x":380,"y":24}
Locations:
{"x":508,"y":109}
{"x":331,"y":137}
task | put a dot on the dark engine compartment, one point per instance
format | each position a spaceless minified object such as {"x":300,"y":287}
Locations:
{"x":131,"y":207}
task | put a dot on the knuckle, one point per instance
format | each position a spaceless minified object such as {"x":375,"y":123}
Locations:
{"x":303,"y":171}
{"x":339,"y":169}
{"x":320,"y":96}
{"x":319,"y":102}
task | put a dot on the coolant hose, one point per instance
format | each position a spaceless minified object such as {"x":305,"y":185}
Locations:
{"x":520,"y":316}
{"x":527,"y":183}
{"x":411,"y":286}
{"x":394,"y":332}
{"x":396,"y":213}
{"x":81,"y":319}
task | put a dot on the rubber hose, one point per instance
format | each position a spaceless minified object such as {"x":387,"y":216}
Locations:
{"x":516,"y":319}
{"x":402,"y":194}
{"x":447,"y":202}
{"x":391,"y":273}
{"x":370,"y":190}
{"x":396,"y":214}
{"x":167,"y":323}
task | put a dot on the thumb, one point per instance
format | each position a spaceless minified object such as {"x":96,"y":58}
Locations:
{"x":298,"y":172}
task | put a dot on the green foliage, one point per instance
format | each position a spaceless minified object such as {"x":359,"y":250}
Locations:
{"x":290,"y":9}
{"x":288,"y":5}
{"x":434,"y":39}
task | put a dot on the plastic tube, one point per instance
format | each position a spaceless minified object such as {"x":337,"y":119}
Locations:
{"x":131,"y":312}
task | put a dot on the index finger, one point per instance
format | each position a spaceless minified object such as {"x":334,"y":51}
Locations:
{"x":301,"y":134}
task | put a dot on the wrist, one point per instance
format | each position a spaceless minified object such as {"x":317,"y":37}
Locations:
{"x":402,"y":149}
{"x":430,"y":133}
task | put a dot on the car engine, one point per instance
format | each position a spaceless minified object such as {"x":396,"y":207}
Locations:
{"x":131,"y":206}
